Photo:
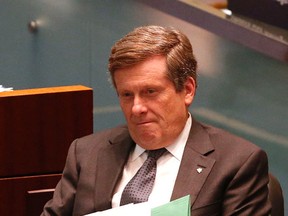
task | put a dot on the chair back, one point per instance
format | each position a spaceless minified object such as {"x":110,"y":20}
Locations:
{"x":276,"y":196}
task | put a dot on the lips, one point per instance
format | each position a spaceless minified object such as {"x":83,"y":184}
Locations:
{"x":144,"y":123}
{"x":140,"y":123}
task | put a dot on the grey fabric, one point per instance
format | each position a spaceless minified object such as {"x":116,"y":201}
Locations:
{"x":140,"y":186}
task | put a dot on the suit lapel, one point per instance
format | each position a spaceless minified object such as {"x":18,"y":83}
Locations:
{"x":110,"y":163}
{"x":195,"y":166}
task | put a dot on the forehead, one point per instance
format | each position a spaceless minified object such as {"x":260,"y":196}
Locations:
{"x":152,"y":70}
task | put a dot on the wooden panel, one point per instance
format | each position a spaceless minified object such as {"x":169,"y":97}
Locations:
{"x":36,"y":199}
{"x":18,"y":195}
{"x":37,"y":126}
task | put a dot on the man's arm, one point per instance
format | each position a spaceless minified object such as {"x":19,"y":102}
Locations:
{"x":247,"y":193}
{"x":63,"y":198}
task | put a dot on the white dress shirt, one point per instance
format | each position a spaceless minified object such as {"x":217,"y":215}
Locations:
{"x":167,"y":170}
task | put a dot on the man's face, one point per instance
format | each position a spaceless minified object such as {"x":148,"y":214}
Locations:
{"x":155,"y":113}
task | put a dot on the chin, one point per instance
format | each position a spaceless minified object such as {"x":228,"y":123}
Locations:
{"x":148,"y":141}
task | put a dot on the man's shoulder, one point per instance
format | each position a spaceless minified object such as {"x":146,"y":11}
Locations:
{"x":91,"y":144}
{"x":232,"y":147}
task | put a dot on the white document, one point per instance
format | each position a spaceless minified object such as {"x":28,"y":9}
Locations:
{"x":176,"y":207}
{"x":139,"y":209}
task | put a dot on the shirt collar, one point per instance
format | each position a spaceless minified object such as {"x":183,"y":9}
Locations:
{"x":138,"y":151}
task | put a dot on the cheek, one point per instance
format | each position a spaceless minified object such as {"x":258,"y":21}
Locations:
{"x":175,"y":111}
{"x":166,"y":115}
{"x":175,"y":105}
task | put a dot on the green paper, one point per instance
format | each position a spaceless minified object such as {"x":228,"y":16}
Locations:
{"x":179,"y":207}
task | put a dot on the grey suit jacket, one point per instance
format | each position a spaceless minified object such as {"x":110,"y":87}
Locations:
{"x":233,"y":181}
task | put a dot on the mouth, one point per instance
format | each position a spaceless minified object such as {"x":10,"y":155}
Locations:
{"x":143,"y":123}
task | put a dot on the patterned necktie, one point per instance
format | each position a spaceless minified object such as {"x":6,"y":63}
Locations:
{"x":140,"y":186}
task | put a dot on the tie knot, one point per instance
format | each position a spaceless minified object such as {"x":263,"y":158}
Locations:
{"x":156,"y":153}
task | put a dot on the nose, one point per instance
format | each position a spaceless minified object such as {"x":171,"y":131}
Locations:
{"x":139,"y":106}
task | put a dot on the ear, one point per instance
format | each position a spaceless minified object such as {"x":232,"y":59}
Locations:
{"x":190,"y":90}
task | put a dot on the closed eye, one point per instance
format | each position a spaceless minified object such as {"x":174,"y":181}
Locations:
{"x":151,"y":91}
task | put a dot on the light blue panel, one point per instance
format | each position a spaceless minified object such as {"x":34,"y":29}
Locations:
{"x":58,"y":54}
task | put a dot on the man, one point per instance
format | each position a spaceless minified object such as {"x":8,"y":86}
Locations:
{"x":153,"y":70}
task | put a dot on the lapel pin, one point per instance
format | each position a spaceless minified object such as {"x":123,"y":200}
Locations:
{"x":199,"y":170}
